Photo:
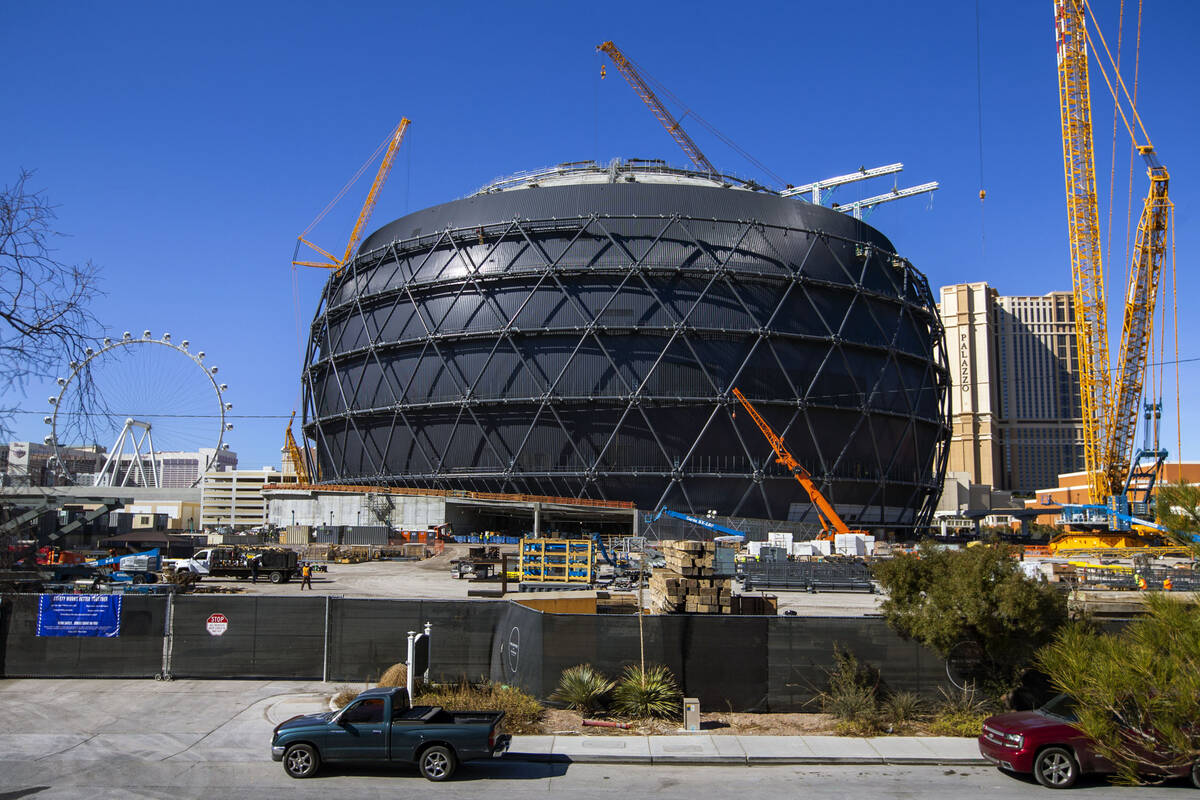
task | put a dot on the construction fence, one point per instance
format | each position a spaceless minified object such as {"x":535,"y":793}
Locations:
{"x":743,"y":663}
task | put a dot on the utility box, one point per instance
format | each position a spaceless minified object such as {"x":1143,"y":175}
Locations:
{"x":691,"y":714}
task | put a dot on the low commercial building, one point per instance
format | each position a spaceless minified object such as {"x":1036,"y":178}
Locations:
{"x":234,"y":498}
{"x":32,"y":464}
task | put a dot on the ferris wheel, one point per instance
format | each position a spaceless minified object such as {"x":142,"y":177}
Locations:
{"x":144,"y":399}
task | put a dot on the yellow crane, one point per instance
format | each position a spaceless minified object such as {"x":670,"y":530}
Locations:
{"x":631,"y":73}
{"x":333,"y":262}
{"x":360,"y":225}
{"x":831,"y":521}
{"x":293,"y":452}
{"x":1109,"y":407}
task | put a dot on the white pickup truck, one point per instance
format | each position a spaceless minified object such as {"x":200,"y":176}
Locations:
{"x":276,"y":564}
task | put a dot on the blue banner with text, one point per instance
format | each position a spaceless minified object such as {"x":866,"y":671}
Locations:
{"x":79,"y":615}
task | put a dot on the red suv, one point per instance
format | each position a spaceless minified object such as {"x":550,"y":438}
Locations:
{"x":1046,"y":743}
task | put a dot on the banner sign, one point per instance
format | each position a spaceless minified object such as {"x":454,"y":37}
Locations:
{"x":79,"y":615}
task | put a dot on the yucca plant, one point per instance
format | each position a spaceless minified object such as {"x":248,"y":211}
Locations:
{"x":583,"y":688}
{"x":649,"y":692}
{"x":902,"y":707}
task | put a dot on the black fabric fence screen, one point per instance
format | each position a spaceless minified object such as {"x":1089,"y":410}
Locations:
{"x":136,"y":653}
{"x":777,"y":664}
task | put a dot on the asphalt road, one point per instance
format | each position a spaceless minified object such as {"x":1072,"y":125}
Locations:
{"x":127,"y":779}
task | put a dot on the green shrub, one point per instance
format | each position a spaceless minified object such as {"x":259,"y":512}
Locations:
{"x":956,"y":723}
{"x":900,"y":708}
{"x":976,"y":597}
{"x":1144,"y":679}
{"x":583,"y":688}
{"x":522,"y":712}
{"x":960,"y":713}
{"x":852,"y":696}
{"x":651,"y":693}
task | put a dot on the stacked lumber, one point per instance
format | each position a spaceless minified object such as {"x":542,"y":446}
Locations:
{"x":689,"y":559}
{"x":687,"y":583}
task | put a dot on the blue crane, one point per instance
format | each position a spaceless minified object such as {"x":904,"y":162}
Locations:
{"x":703,"y":522}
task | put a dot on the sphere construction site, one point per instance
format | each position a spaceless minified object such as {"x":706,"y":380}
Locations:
{"x":578,"y":332}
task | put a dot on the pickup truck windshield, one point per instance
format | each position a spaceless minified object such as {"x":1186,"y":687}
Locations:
{"x":365,"y":712}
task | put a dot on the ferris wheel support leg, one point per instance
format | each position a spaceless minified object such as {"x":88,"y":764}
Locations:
{"x":113,"y":460}
{"x":155,"y":477}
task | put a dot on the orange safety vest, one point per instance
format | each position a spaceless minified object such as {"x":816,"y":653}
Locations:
{"x":1167,"y":584}
{"x":307,"y":571}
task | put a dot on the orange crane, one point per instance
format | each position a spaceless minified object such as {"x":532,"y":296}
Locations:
{"x":1109,"y":408}
{"x":831,"y":521}
{"x":631,"y":73}
{"x":385,"y":167}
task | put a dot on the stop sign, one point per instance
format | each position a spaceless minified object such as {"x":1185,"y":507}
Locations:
{"x":217,"y":624}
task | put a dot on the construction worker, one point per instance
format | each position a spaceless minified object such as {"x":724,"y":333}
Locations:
{"x":306,"y":573}
{"x":1141,"y":583}
{"x":1167,"y":585}
{"x":253,"y":568}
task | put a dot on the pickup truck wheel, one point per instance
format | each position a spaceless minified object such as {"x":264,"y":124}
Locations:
{"x":437,"y":763}
{"x":1056,"y":768}
{"x":276,"y":577}
{"x":301,"y":761}
{"x":1196,"y":776}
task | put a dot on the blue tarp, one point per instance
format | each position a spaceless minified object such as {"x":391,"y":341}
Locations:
{"x":79,"y":615}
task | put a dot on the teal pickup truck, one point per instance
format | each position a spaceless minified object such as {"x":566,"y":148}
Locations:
{"x":379,"y":726}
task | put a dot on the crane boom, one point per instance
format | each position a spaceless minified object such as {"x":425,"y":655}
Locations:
{"x":385,"y":168}
{"x":1141,"y":297}
{"x":293,"y":452}
{"x":831,"y":521}
{"x":635,"y":79}
{"x":364,"y":216}
{"x":1083,"y":221}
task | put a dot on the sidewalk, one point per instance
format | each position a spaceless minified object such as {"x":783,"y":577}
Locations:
{"x":699,"y":748}
{"x":231,"y":722}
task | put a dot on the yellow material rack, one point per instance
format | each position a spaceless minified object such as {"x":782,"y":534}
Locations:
{"x":557,"y":561}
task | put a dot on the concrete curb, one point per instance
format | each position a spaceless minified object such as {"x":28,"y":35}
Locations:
{"x":726,"y":761}
{"x":700,"y":750}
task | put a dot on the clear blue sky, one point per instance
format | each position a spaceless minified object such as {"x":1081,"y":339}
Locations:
{"x":188,"y":144}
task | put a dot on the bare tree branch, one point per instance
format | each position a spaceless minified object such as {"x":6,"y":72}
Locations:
{"x":45,"y":315}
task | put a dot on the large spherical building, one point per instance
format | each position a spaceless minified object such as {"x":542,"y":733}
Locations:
{"x":577,"y":332}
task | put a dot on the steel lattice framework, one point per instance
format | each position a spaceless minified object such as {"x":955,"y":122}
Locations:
{"x":583,"y":339}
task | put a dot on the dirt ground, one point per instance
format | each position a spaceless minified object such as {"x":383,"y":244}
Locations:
{"x":431,"y":579}
{"x":729,"y":723}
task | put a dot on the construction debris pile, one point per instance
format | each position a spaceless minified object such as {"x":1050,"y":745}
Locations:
{"x":687,"y":583}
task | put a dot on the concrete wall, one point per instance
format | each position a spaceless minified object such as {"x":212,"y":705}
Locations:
{"x":316,"y":508}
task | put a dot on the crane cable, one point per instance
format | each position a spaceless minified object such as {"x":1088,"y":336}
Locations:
{"x":663,"y":91}
{"x":1112,"y":168}
{"x":354,"y":179}
{"x":979,"y":119}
